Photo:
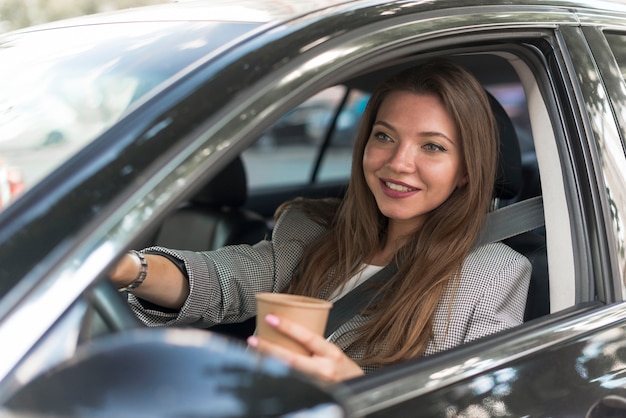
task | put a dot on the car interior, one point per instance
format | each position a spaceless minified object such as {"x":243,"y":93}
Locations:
{"x":231,"y":210}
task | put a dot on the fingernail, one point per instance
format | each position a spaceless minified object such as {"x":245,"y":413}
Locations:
{"x":273,"y":320}
{"x":253,"y":341}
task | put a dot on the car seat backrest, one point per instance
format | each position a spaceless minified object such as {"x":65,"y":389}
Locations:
{"x":511,"y":183}
{"x":215,"y":216}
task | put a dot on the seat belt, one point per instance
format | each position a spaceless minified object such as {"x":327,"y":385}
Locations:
{"x":512,"y":220}
{"x":500,"y":224}
{"x":357,"y":299}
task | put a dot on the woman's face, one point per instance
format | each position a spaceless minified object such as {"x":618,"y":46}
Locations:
{"x":412,"y":160}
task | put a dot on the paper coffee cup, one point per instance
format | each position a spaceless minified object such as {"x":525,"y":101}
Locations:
{"x":309,"y":312}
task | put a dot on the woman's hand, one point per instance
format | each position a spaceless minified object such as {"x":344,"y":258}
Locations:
{"x":327,"y":361}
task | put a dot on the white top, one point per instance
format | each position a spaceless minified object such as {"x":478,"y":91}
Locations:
{"x":365,"y":273}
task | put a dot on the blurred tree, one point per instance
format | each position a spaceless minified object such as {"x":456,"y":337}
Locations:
{"x":15,"y":14}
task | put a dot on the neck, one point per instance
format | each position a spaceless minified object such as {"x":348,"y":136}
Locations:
{"x":384,"y":255}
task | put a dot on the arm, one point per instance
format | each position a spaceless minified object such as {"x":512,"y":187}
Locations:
{"x":220,"y":285}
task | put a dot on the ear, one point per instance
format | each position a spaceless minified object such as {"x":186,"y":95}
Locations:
{"x":462,"y":181}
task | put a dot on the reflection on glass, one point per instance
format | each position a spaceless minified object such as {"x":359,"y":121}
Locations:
{"x":617,"y":201}
{"x":61,"y":88}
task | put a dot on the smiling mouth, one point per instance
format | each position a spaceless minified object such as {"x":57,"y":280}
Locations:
{"x":399,"y":187}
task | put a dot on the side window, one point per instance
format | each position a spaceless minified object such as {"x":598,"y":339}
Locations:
{"x":618,"y":45}
{"x":336,"y":161}
{"x":286,"y":154}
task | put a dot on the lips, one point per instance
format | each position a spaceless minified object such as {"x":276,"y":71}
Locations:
{"x":397,"y":189}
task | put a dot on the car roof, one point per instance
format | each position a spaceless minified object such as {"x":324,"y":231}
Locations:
{"x":266,"y":11}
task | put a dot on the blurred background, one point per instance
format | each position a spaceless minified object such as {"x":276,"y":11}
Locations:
{"x":16,"y":14}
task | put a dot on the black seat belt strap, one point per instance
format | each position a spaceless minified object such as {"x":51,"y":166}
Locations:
{"x":357,"y":299}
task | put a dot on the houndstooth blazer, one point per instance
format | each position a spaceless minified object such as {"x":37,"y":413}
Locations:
{"x":490,"y":297}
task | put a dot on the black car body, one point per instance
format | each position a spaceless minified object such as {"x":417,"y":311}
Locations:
{"x":208,"y":79}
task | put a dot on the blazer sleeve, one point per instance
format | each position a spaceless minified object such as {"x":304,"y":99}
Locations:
{"x":224,"y":282}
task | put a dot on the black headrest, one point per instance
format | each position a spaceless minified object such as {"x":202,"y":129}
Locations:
{"x":509,"y":179}
{"x":228,"y":188}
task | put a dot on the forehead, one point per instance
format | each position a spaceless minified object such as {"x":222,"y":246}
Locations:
{"x":417,"y":109}
{"x":394,"y":97}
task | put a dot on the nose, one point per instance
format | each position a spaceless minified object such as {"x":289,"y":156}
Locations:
{"x":402,"y":159}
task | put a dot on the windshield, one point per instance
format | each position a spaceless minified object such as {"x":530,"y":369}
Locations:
{"x":60,"y":88}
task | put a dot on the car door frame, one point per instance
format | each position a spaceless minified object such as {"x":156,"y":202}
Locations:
{"x":594,"y":29}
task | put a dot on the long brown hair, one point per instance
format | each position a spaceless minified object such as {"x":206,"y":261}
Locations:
{"x":400,"y":324}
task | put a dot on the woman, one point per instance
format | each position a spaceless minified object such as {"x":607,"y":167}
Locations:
{"x":423,"y":171}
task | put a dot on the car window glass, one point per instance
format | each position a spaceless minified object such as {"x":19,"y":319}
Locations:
{"x":618,"y":45}
{"x":286,"y":153}
{"x":70,"y":88}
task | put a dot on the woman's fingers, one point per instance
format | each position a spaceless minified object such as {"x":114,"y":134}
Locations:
{"x":312,"y":364}
{"x":267,"y":347}
{"x":326,"y":361}
{"x":309,"y":340}
{"x":313,"y":342}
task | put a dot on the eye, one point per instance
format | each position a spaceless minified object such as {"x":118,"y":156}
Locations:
{"x":381,"y":136}
{"x":434,"y":147}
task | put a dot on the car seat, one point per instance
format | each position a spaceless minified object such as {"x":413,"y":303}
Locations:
{"x":511,"y":183}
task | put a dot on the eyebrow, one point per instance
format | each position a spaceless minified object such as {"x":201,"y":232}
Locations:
{"x":429,"y":134}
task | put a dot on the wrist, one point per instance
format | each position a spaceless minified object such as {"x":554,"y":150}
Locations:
{"x":140,"y":265}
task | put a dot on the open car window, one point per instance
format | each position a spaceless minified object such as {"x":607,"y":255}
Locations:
{"x":290,"y":154}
